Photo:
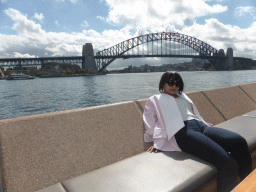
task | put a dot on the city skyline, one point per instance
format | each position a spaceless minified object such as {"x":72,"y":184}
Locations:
{"x":61,"y":27}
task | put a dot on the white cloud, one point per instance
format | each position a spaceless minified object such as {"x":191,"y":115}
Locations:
{"x":32,"y":40}
{"x":72,"y":1}
{"x":85,"y":24}
{"x":242,"y":11}
{"x":101,"y":18}
{"x":149,"y":13}
{"x":22,"y":24}
{"x":39,"y":17}
{"x":215,"y":0}
{"x":26,"y":55}
{"x":220,"y":36}
{"x":57,"y":23}
{"x":92,"y":33}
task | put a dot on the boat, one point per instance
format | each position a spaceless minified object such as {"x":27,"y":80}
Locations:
{"x":19,"y":76}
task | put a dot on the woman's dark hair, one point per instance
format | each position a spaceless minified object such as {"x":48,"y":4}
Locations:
{"x":175,"y":77}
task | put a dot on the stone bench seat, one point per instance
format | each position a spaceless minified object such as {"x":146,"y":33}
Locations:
{"x":163,"y":171}
{"x":54,"y":188}
{"x":245,"y":125}
{"x":147,"y":172}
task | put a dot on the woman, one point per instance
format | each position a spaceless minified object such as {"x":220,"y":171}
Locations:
{"x":173,"y":123}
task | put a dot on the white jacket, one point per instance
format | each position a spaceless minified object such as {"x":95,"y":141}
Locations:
{"x":162,"y":121}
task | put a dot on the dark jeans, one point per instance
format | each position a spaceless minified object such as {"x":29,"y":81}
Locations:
{"x":215,"y":145}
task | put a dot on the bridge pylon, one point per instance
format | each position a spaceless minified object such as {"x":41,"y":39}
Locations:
{"x":229,"y":61}
{"x":219,"y":63}
{"x":88,"y":58}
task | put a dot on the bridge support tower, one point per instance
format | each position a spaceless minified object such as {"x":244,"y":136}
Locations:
{"x":220,"y":63}
{"x":229,"y":61}
{"x":88,"y":58}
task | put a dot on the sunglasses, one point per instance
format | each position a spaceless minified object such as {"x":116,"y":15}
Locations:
{"x":172,"y":82}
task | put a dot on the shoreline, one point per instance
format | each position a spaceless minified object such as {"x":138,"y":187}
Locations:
{"x":60,"y":76}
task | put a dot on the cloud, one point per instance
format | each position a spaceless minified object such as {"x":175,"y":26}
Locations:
{"x":22,"y":24}
{"x":149,"y":13}
{"x":17,"y":55}
{"x":101,"y":18}
{"x":242,"y":11}
{"x":220,"y":36}
{"x":85,"y":24}
{"x":72,"y":1}
{"x":215,"y":0}
{"x":3,"y":1}
{"x":39,"y":17}
{"x":31,"y":40}
{"x":57,"y":23}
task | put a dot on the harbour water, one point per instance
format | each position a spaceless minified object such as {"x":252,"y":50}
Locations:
{"x":44,"y":95}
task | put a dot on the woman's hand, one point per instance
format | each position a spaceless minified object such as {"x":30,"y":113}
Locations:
{"x":211,"y":125}
{"x":152,"y":149}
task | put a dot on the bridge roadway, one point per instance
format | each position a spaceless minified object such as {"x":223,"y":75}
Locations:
{"x":6,"y":62}
{"x":10,"y":62}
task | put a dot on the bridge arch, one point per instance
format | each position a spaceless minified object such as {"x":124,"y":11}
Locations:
{"x":107,"y":56}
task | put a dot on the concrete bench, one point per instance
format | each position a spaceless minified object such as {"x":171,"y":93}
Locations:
{"x":41,"y":150}
{"x":148,"y":172}
{"x":102,"y":147}
{"x":165,"y":171}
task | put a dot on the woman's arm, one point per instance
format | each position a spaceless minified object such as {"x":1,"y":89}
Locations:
{"x":150,"y":119}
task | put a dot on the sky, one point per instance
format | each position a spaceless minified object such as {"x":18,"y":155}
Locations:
{"x":45,"y":28}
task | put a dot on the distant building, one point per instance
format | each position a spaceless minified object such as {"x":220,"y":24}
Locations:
{"x":142,"y":68}
{"x":60,"y":66}
{"x":31,"y":68}
{"x":1,"y":73}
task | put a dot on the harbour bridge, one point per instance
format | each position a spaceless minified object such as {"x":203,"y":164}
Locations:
{"x":164,"y":44}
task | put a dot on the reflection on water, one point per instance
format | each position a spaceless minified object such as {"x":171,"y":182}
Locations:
{"x":28,"y":97}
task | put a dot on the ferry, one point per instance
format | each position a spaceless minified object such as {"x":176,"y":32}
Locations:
{"x":20,"y":76}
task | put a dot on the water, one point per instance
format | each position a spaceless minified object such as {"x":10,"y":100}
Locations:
{"x":44,"y":95}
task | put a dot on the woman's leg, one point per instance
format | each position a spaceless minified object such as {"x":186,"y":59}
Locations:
{"x":235,"y":144}
{"x":190,"y":139}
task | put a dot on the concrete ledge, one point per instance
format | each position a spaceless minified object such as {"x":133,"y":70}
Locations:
{"x":42,"y":150}
{"x":205,"y":108}
{"x":230,"y":101}
{"x":250,"y":90}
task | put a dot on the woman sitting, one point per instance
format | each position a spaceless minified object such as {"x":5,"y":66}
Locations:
{"x":173,"y":123}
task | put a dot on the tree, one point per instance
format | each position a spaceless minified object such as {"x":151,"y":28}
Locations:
{"x":206,"y":66}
